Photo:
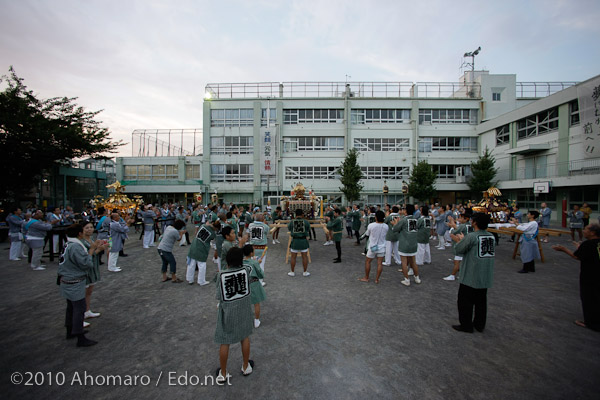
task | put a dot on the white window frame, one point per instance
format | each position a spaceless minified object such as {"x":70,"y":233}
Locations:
{"x":503,"y":134}
{"x":448,"y":116}
{"x":231,"y":117}
{"x":379,"y":172}
{"x":313,"y":116}
{"x":232,"y":172}
{"x":381,"y":144}
{"x":232,"y":145}
{"x":379,"y":116}
{"x":538,"y":124}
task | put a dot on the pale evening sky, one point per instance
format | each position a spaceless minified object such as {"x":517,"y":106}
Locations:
{"x":146,"y":63}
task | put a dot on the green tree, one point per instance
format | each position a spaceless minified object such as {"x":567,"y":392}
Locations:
{"x":421,"y":184}
{"x":483,"y":173}
{"x":350,"y":176}
{"x":38,"y":135}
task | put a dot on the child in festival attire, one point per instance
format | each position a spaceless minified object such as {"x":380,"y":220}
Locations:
{"x":257,"y":292}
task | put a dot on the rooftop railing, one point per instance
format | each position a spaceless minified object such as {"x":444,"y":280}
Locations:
{"x":342,"y":89}
{"x":540,"y":89}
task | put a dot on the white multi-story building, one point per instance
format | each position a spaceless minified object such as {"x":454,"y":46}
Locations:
{"x":259,"y":139}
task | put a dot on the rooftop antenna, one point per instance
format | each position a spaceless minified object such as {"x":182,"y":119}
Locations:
{"x":471,"y":54}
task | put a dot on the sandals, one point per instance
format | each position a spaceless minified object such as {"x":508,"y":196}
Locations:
{"x":249,"y":368}
{"x":176,"y":280}
{"x":580,"y":323}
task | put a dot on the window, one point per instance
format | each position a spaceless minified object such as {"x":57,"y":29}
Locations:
{"x":232,"y":145}
{"x":428,"y":144}
{"x":379,"y":116}
{"x":272,"y":116}
{"x":574,"y":112}
{"x":311,"y":143}
{"x":311,"y":172}
{"x":232,"y":117}
{"x":231,"y":172}
{"x":192,"y":171}
{"x":448,"y":116}
{"x":449,"y":171}
{"x":496,"y":96}
{"x":503,"y":134}
{"x":385,"y":172}
{"x":381,"y":144}
{"x":150,"y":172}
{"x":538,"y":124}
{"x":312,"y":116}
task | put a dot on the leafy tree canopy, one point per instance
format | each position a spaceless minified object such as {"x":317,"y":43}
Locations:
{"x":37,"y":135}
{"x":350,"y":176}
{"x":483,"y":173}
{"x":421,"y":182}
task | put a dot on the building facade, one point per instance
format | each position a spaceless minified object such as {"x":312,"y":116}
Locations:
{"x":260,"y":139}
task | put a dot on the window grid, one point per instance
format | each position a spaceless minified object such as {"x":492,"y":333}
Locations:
{"x":429,"y":144}
{"x":385,"y":172}
{"x":538,"y":124}
{"x":232,"y":145}
{"x":496,"y":96}
{"x":449,"y":171}
{"x":231,"y":172}
{"x":232,"y":117}
{"x":574,"y":112}
{"x":381,"y":144}
{"x":312,"y":116}
{"x":192,"y":171}
{"x":149,"y":172}
{"x":448,"y":116}
{"x":503,"y":134}
{"x":311,"y":172}
{"x":272,"y":116}
{"x":379,"y":116}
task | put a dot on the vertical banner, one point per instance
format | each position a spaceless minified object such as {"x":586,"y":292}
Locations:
{"x":268,"y":144}
{"x":589,"y":114}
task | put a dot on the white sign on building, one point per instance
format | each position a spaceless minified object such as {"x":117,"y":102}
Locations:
{"x":268,"y":151}
{"x":589,"y":114}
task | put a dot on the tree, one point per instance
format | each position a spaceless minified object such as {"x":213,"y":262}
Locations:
{"x":38,"y":135}
{"x":350,"y":176}
{"x":421,"y":181}
{"x":483,"y":173}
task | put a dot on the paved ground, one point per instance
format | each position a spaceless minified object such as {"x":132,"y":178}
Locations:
{"x":327,"y":336}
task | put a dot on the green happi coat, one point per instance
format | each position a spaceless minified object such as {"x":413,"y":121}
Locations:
{"x":299,"y":228}
{"x":234,"y":314}
{"x":461,"y":228}
{"x":335,"y":226}
{"x":355,"y":220}
{"x":424,"y":225}
{"x":257,"y":292}
{"x":227,"y":245}
{"x":391,"y":236}
{"x":201,"y":244}
{"x":478,"y":252}
{"x":407,"y":231}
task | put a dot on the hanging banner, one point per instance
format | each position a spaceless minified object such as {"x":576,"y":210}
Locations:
{"x":589,"y":114}
{"x":268,"y":158}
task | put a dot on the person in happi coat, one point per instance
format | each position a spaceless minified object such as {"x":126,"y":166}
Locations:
{"x":530,"y":250}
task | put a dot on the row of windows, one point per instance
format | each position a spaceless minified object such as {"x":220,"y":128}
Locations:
{"x":231,"y":172}
{"x":311,"y":143}
{"x":239,"y":117}
{"x":385,"y":172}
{"x":150,"y":172}
{"x":379,"y":116}
{"x":448,"y":116}
{"x":232,"y":145}
{"x":450,"y":171}
{"x":538,"y":124}
{"x":312,"y":116}
{"x":381,"y":144}
{"x":429,"y":144}
{"x":311,"y":172}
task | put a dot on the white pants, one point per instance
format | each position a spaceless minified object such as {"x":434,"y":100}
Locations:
{"x":112,"y":260}
{"x":148,"y":238}
{"x":15,"y":246}
{"x":262,"y":266}
{"x":55,"y":241}
{"x":442,"y":242}
{"x":423,"y":254}
{"x":191,"y":269}
{"x":36,"y":256}
{"x":447,"y":237}
{"x":392,"y":248}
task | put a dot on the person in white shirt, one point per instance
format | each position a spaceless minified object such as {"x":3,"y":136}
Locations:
{"x":529,"y":245}
{"x":376,"y":232}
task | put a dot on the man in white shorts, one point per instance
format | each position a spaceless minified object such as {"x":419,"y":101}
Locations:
{"x":376,"y":231}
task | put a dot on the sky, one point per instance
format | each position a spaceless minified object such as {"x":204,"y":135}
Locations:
{"x":146,"y":63}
